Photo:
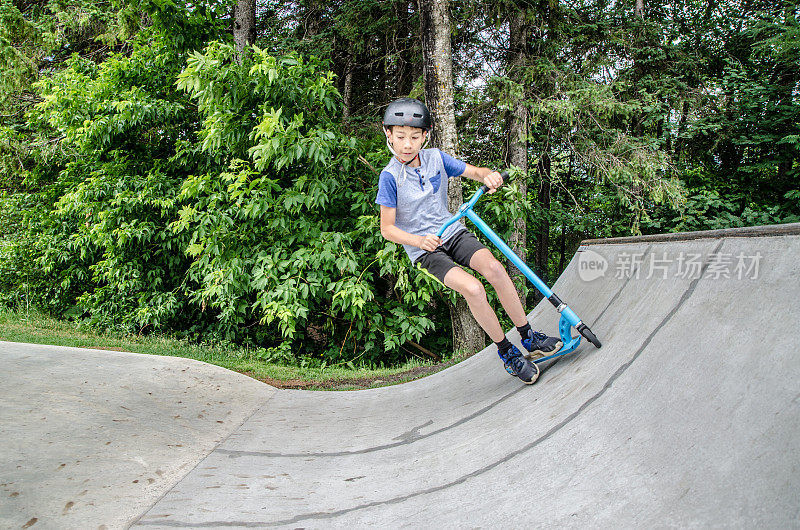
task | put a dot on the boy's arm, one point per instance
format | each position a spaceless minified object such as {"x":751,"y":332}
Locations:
{"x":394,"y":234}
{"x":484,"y":175}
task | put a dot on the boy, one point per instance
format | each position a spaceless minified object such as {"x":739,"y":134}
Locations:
{"x":412,"y":194}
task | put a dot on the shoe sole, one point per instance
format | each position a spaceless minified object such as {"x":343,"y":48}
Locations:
{"x":539,"y":353}
{"x":535,"y":376}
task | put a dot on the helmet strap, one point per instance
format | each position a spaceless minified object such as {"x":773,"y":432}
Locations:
{"x":424,"y":145}
{"x":404,"y":164}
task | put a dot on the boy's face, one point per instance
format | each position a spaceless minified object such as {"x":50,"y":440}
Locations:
{"x":406,"y":141}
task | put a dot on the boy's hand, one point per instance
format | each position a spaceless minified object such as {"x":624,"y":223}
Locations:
{"x":493,"y":181}
{"x":430,"y":242}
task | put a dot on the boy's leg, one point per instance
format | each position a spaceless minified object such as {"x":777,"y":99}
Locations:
{"x":474,"y":293}
{"x":536,"y":343}
{"x":441,"y":264}
{"x":484,"y":262}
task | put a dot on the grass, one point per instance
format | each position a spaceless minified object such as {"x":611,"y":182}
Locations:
{"x":36,"y":328}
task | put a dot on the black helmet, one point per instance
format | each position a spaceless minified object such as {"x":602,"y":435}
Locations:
{"x":407,"y":111}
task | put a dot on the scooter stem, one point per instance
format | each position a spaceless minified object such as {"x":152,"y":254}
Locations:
{"x":568,"y":317}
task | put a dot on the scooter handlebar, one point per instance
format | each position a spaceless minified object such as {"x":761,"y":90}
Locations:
{"x":469,"y":204}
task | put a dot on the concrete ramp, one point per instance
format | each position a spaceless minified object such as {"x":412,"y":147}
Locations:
{"x":90,"y":439}
{"x":688,"y":416}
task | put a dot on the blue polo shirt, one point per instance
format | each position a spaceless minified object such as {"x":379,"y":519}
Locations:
{"x":420,"y":195}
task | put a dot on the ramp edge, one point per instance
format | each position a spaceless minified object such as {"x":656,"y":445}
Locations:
{"x":789,"y":229}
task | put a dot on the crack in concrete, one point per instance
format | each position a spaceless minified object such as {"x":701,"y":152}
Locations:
{"x":524,"y":449}
{"x":415,"y":435}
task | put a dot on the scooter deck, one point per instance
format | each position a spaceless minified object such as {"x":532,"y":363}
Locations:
{"x":559,"y":353}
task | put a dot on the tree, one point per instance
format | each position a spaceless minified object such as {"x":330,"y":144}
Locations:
{"x":244,"y":24}
{"x":547,"y":38}
{"x":517,"y":120}
{"x":438,"y":72}
{"x":240,"y":204}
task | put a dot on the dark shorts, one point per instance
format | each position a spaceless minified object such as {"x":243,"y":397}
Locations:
{"x":458,"y":250}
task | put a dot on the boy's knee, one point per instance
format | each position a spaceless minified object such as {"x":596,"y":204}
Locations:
{"x":474,"y":289}
{"x":495,"y":271}
{"x":464,"y":283}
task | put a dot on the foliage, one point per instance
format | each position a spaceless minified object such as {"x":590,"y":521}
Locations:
{"x":220,"y":203}
{"x":152,"y":180}
{"x":284,"y":240}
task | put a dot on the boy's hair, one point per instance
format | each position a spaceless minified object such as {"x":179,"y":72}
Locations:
{"x":390,"y":128}
{"x":407,"y":112}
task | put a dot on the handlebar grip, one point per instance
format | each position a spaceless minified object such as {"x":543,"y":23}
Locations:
{"x":503,"y":174}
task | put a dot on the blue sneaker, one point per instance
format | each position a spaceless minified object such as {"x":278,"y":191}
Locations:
{"x":519,"y":366}
{"x":540,"y":345}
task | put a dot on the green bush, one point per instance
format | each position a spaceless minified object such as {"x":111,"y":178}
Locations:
{"x":215,"y":197}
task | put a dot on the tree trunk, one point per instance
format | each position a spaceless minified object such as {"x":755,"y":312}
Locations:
{"x":637,"y":124}
{"x":244,"y":25}
{"x":404,"y":78}
{"x":563,"y":250}
{"x":543,"y":231}
{"x":517,"y":121}
{"x":786,"y":78}
{"x":313,"y":21}
{"x":348,"y":84}
{"x":679,"y":140}
{"x":438,"y":73}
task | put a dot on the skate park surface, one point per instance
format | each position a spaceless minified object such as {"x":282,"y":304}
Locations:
{"x":688,"y":416}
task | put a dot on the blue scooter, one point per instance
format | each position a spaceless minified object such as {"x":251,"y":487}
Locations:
{"x":568,"y":317}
